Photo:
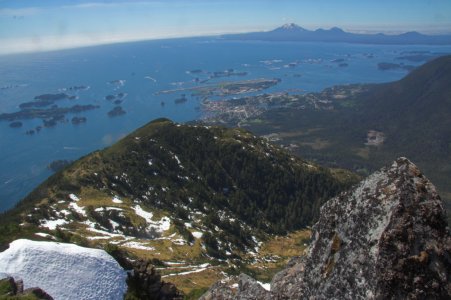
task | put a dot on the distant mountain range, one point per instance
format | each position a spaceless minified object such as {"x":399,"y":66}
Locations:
{"x":293,"y":32}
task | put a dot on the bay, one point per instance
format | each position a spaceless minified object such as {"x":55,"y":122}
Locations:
{"x":140,"y":70}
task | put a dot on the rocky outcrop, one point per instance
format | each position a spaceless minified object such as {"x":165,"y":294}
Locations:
{"x":248,"y":289}
{"x":386,"y":239}
{"x":144,"y":282}
{"x":12,"y":289}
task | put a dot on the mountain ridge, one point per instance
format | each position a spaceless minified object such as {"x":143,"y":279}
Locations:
{"x":205,"y":197}
{"x":293,"y":32}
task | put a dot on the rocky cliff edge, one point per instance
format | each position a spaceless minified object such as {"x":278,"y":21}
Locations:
{"x":385,"y":239}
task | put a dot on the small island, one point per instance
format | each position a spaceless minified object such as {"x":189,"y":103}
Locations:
{"x":76,"y":88}
{"x":181,"y":100}
{"x":53,"y":112}
{"x":45,"y":100}
{"x":15,"y":124}
{"x":12,"y":86}
{"x":117,"y":82}
{"x":196,"y":71}
{"x":227,"y":88}
{"x":117,"y":111}
{"x":78,"y":120}
{"x":52,"y":97}
{"x":119,"y":96}
{"x":227,"y":73}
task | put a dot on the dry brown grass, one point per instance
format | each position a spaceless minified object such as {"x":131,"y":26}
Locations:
{"x":317,"y":144}
{"x":279,"y":250}
{"x":363,"y":152}
{"x":203,"y":279}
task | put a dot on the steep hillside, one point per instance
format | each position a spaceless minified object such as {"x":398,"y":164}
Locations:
{"x":414,"y":109}
{"x":385,"y":239}
{"x":362,"y":127}
{"x":184,"y":195}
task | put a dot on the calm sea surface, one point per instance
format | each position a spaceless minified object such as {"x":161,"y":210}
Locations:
{"x":145,"y":68}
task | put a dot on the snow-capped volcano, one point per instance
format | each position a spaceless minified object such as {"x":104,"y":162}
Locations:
{"x":64,"y":271}
{"x":290,"y":26}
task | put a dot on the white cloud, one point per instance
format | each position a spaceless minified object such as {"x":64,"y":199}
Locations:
{"x":113,"y":4}
{"x":93,"y":5}
{"x":58,"y":42}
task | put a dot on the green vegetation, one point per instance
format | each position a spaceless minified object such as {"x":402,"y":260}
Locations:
{"x":224,"y":191}
{"x":413,"y":114}
{"x":6,"y":288}
{"x":8,"y":291}
{"x":196,"y":294}
{"x":220,"y":171}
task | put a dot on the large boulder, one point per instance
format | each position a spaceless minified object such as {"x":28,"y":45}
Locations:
{"x":247,"y":289}
{"x":145,"y":283}
{"x":386,"y":239}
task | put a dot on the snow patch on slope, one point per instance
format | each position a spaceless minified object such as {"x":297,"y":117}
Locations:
{"x":79,"y":209}
{"x":116,"y":199}
{"x":52,"y":224}
{"x":74,"y":197}
{"x":65,"y":271}
{"x":160,"y":226}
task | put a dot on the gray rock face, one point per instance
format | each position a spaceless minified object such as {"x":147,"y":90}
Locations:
{"x":14,"y":289}
{"x":145,"y":283}
{"x":386,"y":239}
{"x":248,"y":289}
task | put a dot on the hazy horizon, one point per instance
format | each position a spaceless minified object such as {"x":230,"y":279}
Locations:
{"x":32,"y":26}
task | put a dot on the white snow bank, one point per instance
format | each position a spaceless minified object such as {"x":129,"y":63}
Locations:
{"x":199,"y":269}
{"x":266,"y":286}
{"x":143,"y":214}
{"x":137,"y":245}
{"x":65,"y":271}
{"x":160,"y":226}
{"x":79,"y":209}
{"x":51,"y":224}
{"x":116,"y":199}
{"x":197,"y":234}
{"x":45,"y":235}
{"x":74,"y":197}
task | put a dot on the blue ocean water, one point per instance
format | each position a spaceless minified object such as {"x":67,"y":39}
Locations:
{"x":149,"y":67}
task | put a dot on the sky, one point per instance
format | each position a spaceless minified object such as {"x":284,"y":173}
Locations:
{"x":40,"y":25}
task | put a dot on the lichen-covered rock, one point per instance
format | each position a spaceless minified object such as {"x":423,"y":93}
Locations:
{"x":145,"y":283}
{"x":248,"y":289}
{"x":386,"y":239}
{"x":12,"y":289}
{"x":219,"y":291}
